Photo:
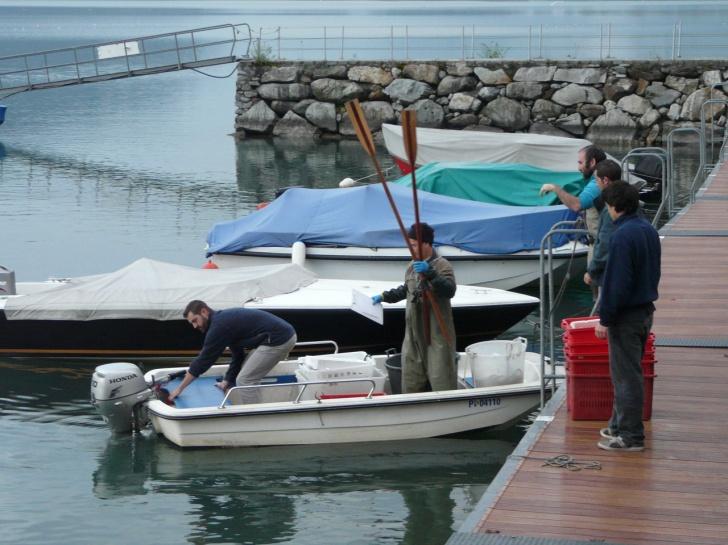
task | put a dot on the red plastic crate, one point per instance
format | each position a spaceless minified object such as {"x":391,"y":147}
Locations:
{"x":596,"y":367}
{"x":586,"y":335}
{"x":590,"y":397}
{"x":581,"y":341}
{"x":593,"y":352}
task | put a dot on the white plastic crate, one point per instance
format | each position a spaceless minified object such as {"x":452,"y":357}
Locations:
{"x":334,"y":361}
{"x":366,"y":372}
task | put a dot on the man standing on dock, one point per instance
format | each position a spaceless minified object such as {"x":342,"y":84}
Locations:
{"x":607,"y":171}
{"x":269,"y":337}
{"x":426,"y":360}
{"x":629,"y":289}
{"x":588,"y":159}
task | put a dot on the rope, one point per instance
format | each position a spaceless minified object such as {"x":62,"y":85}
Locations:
{"x":213,"y":75}
{"x":562,"y":461}
{"x":567,"y":462}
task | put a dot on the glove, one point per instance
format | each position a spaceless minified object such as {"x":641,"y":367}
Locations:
{"x":376,"y":299}
{"x":546,"y":188}
{"x":421,"y":266}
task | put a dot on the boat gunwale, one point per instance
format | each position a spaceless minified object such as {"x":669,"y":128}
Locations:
{"x":288,"y":407}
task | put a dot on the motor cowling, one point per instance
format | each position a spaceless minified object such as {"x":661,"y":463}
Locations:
{"x":119,"y":393}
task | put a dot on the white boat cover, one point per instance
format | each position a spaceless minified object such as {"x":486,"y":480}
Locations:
{"x":155,"y":290}
{"x":446,"y":145}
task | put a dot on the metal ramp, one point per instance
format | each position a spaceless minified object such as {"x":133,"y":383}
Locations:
{"x":183,"y":50}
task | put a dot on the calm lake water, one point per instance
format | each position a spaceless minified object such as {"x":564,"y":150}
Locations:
{"x":95,"y":176}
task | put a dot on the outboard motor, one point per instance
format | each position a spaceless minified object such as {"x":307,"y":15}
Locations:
{"x":119,"y":393}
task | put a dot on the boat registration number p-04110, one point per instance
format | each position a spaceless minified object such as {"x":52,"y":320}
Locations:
{"x":484,"y":402}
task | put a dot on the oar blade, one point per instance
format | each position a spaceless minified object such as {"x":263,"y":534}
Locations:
{"x":361,"y":128}
{"x":409,"y":133}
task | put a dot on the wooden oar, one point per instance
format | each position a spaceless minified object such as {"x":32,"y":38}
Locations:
{"x":361,"y":128}
{"x":409,"y":133}
{"x":356,"y":115}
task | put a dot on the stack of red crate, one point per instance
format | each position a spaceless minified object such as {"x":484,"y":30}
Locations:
{"x":589,"y":386}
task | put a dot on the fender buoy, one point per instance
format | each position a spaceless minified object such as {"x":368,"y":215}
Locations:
{"x":210,"y":265}
{"x":261,"y":205}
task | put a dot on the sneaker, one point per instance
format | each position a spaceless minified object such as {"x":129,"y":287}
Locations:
{"x":617,"y":443}
{"x":607,"y":433}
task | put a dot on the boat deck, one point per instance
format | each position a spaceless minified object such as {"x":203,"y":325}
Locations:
{"x":676,"y":491}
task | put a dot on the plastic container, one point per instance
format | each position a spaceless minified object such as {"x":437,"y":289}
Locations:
{"x":393,"y":364}
{"x":495,"y":363}
{"x":600,"y":353}
{"x":367,"y":373}
{"x":590,"y":397}
{"x":334,"y":361}
{"x":575,"y":334}
{"x":601,"y":367}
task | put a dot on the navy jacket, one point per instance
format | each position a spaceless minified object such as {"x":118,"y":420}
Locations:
{"x":239,"y":329}
{"x":633,"y":269}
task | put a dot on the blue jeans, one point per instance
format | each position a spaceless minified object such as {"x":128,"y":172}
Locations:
{"x":627,"y":340}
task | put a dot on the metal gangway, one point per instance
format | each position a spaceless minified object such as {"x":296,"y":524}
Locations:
{"x":183,"y":50}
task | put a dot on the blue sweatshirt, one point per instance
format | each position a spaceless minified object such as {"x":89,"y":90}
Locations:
{"x":239,"y":329}
{"x":633,"y":269}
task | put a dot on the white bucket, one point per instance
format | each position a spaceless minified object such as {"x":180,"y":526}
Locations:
{"x":496,"y":363}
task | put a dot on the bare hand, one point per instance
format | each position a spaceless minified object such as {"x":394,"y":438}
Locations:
{"x":547,"y":188}
{"x":174,"y":395}
{"x":587,"y":279}
{"x":223,"y":385}
{"x":601,"y":331}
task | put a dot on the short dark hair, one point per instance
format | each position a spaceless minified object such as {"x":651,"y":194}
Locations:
{"x":622,"y":196}
{"x":195,"y":307}
{"x":593,"y":152}
{"x":609,"y":169}
{"x":427,"y":233}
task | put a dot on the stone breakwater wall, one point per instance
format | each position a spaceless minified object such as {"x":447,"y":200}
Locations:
{"x":629,"y":102}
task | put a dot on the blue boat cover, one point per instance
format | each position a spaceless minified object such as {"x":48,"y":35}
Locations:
{"x":361,"y":216}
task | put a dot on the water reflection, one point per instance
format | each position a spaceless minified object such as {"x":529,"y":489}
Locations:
{"x":409,"y":490}
{"x":46,"y":392}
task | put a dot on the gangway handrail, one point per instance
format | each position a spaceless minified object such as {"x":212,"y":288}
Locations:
{"x":41,"y":66}
{"x":566,"y":227}
{"x":701,"y":144}
{"x":667,"y":184}
{"x":703,"y":128}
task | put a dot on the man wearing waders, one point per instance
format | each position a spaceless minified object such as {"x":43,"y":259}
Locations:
{"x":427,"y":364}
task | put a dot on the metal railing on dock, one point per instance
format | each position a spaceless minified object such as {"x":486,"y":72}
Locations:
{"x":601,"y":41}
{"x":187,"y":49}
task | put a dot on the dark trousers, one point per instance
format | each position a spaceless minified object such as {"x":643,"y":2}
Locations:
{"x":627,"y":340}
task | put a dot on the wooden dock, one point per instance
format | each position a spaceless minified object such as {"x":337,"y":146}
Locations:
{"x":676,"y":491}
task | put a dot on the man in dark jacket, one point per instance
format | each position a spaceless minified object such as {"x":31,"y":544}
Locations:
{"x":629,"y":289}
{"x":424,"y":362}
{"x":270,"y":338}
{"x":607,"y":171}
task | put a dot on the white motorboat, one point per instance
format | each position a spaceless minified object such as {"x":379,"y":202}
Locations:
{"x":350,"y":233}
{"x":336,"y":408}
{"x":555,"y":153}
{"x":137,"y":310}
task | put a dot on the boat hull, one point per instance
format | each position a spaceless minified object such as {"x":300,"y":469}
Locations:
{"x":504,"y":272}
{"x":388,"y":418}
{"x":143,"y":338}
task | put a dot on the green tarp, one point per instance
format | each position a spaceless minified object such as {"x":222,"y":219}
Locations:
{"x":497,"y":183}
